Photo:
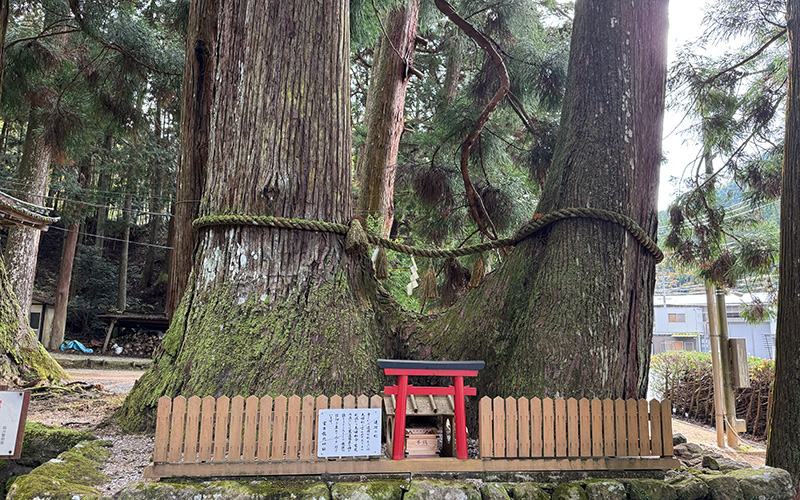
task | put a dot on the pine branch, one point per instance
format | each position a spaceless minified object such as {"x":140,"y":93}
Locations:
{"x":472,"y":195}
{"x":746,"y":60}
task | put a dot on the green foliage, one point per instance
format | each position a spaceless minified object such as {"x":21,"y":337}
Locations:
{"x":734,"y":104}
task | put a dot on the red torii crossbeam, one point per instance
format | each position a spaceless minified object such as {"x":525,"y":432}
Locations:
{"x":405,"y":368}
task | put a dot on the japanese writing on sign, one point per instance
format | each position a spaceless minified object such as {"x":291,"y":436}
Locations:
{"x":13,"y":410}
{"x":349,"y":433}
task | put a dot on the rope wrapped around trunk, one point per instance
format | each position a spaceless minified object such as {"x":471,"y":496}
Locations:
{"x":536,"y":224}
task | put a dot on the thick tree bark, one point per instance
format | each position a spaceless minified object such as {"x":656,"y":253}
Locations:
{"x":384,"y":117}
{"x":570,"y":312}
{"x":22,"y":246}
{"x":783,"y":443}
{"x":63,"y":286}
{"x":269,"y":310}
{"x":198,"y":80}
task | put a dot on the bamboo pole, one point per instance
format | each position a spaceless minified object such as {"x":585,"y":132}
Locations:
{"x":719,"y":404}
{"x":725,"y":357}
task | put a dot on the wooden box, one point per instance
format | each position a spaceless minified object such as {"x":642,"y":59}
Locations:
{"x":422,"y":445}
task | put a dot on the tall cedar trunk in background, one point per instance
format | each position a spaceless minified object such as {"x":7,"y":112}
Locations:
{"x":62,"y":288}
{"x":122,"y":283}
{"x":198,"y":80}
{"x":571,"y":311}
{"x":783,"y":444}
{"x":453,"y":63}
{"x":270,"y":310}
{"x":65,"y":269}
{"x":384,"y":117}
{"x":22,"y":246}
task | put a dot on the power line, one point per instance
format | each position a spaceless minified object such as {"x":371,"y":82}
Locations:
{"x":96,"y":205}
{"x":110,"y":238}
{"x":8,"y":180}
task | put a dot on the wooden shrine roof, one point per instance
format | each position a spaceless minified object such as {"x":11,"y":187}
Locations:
{"x":15,"y":212}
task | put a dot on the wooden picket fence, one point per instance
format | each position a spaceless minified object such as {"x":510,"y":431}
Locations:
{"x":264,"y":436}
{"x":243,"y":430}
{"x":512,"y":428}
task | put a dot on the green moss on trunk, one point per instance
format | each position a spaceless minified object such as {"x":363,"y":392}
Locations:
{"x":21,"y":354}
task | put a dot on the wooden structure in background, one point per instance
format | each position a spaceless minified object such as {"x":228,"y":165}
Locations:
{"x":265,"y":436}
{"x":15,"y":212}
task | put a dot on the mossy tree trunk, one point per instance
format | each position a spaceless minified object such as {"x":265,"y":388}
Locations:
{"x":570,"y":313}
{"x":198,"y":80}
{"x":269,"y":310}
{"x":21,"y":354}
{"x":783,"y":443}
{"x":384,"y":116}
{"x":266,"y":310}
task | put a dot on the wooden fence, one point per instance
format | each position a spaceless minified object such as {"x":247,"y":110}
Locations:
{"x":265,"y":436}
{"x":243,"y":430}
{"x":521,"y":428}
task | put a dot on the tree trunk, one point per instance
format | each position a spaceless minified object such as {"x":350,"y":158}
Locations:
{"x":570,"y":313}
{"x":384,"y":117}
{"x":198,"y":80}
{"x":22,"y":246}
{"x":62,"y":289}
{"x":272,"y":310}
{"x":454,"y":62}
{"x":783,"y":444}
{"x":122,"y":284}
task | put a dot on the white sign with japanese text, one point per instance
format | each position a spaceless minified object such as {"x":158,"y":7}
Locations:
{"x":349,"y":433}
{"x":11,"y":414}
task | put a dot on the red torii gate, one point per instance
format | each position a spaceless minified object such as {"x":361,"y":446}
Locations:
{"x":405,"y":368}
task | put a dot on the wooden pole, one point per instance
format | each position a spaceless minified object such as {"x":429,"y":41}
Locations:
{"x":725,"y":357}
{"x":716,"y":370}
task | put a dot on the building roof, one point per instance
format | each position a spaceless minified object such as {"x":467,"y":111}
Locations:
{"x":15,"y":212}
{"x":699,"y":299}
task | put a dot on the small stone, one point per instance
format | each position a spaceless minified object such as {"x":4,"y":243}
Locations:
{"x":440,"y":490}
{"x":494,"y":491}
{"x":691,"y":489}
{"x":681,"y":451}
{"x":722,"y":487}
{"x":678,"y":438}
{"x":568,"y":491}
{"x":723,"y":463}
{"x":694,"y":448}
{"x":372,"y":490}
{"x":605,"y":489}
{"x":649,"y":489}
{"x":528,"y":491}
{"x":764,"y":483}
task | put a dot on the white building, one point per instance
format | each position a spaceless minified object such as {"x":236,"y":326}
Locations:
{"x":681,"y":324}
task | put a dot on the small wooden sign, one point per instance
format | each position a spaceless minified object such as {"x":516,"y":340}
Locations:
{"x":739,"y":366}
{"x":349,"y":433}
{"x":13,"y":413}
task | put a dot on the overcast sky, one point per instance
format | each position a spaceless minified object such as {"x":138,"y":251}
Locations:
{"x":684,"y":26}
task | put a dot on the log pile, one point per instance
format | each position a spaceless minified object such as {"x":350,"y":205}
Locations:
{"x":135,"y":344}
{"x":685,"y":379}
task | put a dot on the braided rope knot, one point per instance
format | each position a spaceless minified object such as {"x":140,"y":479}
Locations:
{"x":354,"y":241}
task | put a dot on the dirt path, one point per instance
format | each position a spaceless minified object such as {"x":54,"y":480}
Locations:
{"x":116,"y":381}
{"x":751,"y":452}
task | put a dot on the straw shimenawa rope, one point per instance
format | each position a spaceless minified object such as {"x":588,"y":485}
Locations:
{"x":538,"y":223}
